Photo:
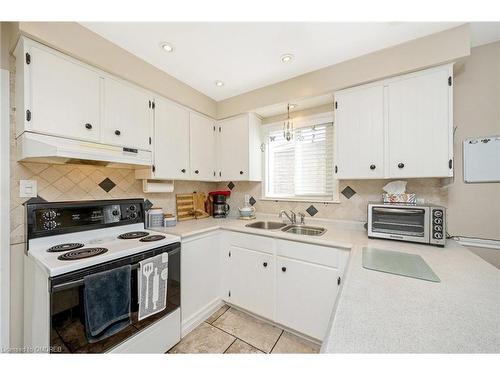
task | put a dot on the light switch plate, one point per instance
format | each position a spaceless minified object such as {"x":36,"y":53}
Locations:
{"x":27,"y":188}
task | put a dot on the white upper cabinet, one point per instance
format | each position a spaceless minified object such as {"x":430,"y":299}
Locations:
{"x":420,"y":126}
{"x":397,"y":128}
{"x":128,"y":115}
{"x":56,"y":95}
{"x":359,"y":145}
{"x":171,"y":141}
{"x":239,"y":145}
{"x":202,"y":147}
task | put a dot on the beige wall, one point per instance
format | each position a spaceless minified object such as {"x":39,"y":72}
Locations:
{"x":85,"y":45}
{"x":431,"y":50}
{"x":474,"y":209}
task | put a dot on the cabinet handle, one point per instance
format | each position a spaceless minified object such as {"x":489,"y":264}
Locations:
{"x":241,"y":172}
{"x":264,"y":264}
{"x":88,"y":126}
{"x":197,"y":171}
{"x":372,"y":167}
{"x":283,"y":269}
{"x":117,"y":132}
{"x":183,"y":170}
{"x":401,"y":165}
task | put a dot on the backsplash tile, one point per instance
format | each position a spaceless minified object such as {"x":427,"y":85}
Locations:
{"x":231,"y":185}
{"x":311,"y":210}
{"x":348,"y":192}
{"x":107,"y":185}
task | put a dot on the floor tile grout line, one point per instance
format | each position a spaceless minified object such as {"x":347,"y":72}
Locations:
{"x":221,"y":314}
{"x":239,"y":338}
{"x":224,"y":352}
{"x":281,"y":334}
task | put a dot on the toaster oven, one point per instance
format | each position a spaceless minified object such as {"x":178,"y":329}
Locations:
{"x":404,"y":222}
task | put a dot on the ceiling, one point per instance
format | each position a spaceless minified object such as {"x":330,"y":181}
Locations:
{"x":246,"y":56}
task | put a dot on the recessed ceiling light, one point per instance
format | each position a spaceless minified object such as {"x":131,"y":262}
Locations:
{"x":219,"y":83}
{"x":292,"y":106}
{"x":167,"y":47}
{"x":286,"y":58}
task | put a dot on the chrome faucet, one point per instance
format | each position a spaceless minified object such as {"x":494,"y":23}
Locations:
{"x":292,"y":217}
{"x":302,"y":218}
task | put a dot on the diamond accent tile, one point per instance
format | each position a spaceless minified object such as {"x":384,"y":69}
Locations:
{"x":252,"y":201}
{"x":348,"y":192}
{"x":107,"y":185}
{"x":231,"y":185}
{"x":311,"y":210}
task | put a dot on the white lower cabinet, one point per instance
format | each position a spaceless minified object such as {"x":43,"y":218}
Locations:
{"x":200,"y":277}
{"x":305,"y":295}
{"x":291,"y":283}
{"x":251,"y":281}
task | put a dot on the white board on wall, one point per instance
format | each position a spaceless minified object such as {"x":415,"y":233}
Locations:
{"x":482,"y":159}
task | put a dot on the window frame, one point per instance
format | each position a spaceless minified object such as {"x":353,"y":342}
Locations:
{"x":298,"y":122}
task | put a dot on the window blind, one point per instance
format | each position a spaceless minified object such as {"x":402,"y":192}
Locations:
{"x":303,"y":167}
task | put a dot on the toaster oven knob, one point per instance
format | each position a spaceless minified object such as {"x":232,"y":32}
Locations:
{"x":438,"y":213}
{"x":438,"y":235}
{"x":438,"y":220}
{"x":115,"y":213}
{"x":438,"y":228}
{"x":132,"y":208}
{"x":133,"y":215}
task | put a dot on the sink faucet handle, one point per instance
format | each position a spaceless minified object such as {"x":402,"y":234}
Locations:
{"x":302,"y":217}
{"x":293,"y":217}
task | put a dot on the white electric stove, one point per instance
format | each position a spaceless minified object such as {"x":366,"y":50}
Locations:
{"x":67,"y":241}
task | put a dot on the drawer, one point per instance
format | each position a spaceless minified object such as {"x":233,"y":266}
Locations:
{"x":326,"y":256}
{"x":251,"y":242}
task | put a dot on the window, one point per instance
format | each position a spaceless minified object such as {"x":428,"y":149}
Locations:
{"x":302,"y":168}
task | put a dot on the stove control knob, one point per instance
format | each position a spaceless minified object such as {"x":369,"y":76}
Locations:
{"x":116,"y":212}
{"x":49,"y":215}
{"x":49,"y":225}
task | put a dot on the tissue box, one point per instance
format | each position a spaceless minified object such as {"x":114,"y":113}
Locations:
{"x":399,"y":198}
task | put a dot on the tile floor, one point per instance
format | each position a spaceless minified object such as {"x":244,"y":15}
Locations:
{"x":231,"y":331}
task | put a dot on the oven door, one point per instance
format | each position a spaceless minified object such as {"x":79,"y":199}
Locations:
{"x":399,"y":222}
{"x":67,"y":310}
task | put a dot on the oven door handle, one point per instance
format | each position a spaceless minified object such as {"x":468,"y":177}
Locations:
{"x":398,"y":210}
{"x":79,"y":282}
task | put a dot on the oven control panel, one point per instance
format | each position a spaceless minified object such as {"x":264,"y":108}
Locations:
{"x":49,"y":218}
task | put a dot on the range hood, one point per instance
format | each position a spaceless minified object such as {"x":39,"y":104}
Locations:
{"x":43,"y":148}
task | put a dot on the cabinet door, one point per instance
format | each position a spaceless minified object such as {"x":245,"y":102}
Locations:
{"x":233,"y":149}
{"x":171,"y":141}
{"x":305,"y":296}
{"x":359,"y":120}
{"x":202,"y":147}
{"x":128,"y":115}
{"x":200,"y":275}
{"x":251,"y":281}
{"x":64,"y":97}
{"x":420,"y":125}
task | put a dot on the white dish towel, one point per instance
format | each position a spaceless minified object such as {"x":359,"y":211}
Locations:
{"x":153,"y":276}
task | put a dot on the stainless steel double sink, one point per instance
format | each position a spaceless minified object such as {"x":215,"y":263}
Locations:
{"x":303,"y":230}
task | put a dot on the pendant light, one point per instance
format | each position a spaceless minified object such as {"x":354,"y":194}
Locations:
{"x":288,"y":126}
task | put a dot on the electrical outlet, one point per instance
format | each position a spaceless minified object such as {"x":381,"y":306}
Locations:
{"x":27,"y":188}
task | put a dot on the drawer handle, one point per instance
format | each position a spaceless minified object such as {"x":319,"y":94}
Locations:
{"x":197,"y":171}
{"x":183,"y":170}
{"x":117,"y":132}
{"x":264,"y":264}
{"x":88,"y":126}
{"x":372,"y":167}
{"x":241,"y":172}
{"x":401,"y":165}
{"x":283,"y":269}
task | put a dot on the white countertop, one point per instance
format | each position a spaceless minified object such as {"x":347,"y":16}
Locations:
{"x":384,"y":313}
